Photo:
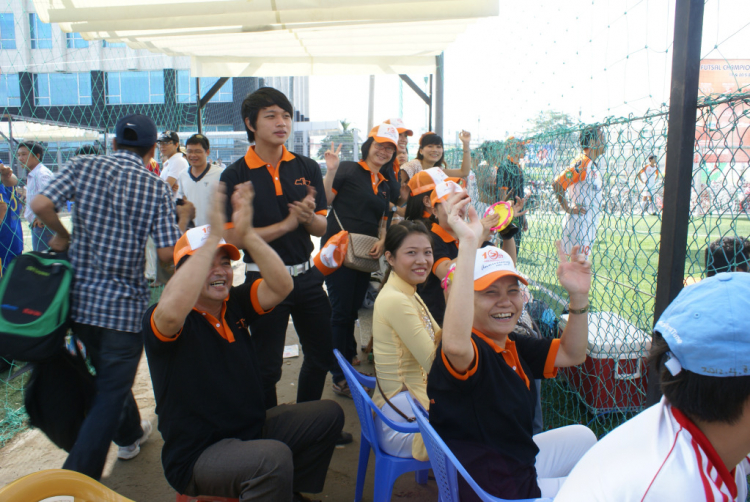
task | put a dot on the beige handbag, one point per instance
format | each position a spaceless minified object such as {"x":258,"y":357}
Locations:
{"x":357,"y":254}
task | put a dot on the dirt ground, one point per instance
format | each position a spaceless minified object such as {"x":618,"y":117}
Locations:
{"x":142,"y":478}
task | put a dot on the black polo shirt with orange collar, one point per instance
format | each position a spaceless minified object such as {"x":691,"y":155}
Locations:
{"x":206,"y":381}
{"x":485,"y":414}
{"x":361,"y":201}
{"x":275,"y":188}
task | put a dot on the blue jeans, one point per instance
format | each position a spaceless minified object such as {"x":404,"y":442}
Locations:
{"x":40,"y":237}
{"x":114,"y":414}
{"x":346,"y":290}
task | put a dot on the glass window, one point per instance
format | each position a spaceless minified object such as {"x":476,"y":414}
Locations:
{"x":60,"y":89}
{"x":7,"y":31}
{"x":186,"y":88}
{"x":41,"y":33}
{"x":10,"y":90}
{"x":135,"y":87}
{"x":113,"y":45}
{"x":75,"y":41}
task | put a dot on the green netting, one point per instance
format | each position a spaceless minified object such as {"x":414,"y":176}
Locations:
{"x":611,"y":386}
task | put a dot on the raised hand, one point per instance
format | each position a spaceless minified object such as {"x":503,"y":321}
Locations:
{"x":216,"y":214}
{"x":331,"y":157}
{"x":573,"y":271}
{"x":518,"y":209}
{"x":465,"y":137}
{"x":458,"y":206}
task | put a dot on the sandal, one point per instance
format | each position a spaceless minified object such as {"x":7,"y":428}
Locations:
{"x":342,"y":389}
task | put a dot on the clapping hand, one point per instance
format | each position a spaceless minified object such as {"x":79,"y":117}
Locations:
{"x":304,"y":210}
{"x":216,"y":214}
{"x":242,"y":210}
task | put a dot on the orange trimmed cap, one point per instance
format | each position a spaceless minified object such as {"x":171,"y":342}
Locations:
{"x":444,"y":190}
{"x":425,"y":180}
{"x":332,"y":254}
{"x":493,"y":263}
{"x":192,"y":240}
{"x":400,"y":126}
{"x":385,"y":133}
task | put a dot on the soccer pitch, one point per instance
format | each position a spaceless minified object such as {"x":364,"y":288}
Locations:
{"x":625,"y":259}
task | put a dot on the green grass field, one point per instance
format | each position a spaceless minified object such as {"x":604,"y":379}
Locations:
{"x":625,"y":260}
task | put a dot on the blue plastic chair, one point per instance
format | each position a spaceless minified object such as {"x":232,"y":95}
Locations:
{"x":387,"y":467}
{"x":446,"y":466}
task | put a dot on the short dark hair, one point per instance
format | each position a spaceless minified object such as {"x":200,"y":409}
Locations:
{"x":706,"y":398}
{"x":396,"y":235}
{"x":262,"y":98}
{"x":88,"y":150}
{"x":727,"y":254}
{"x":198,"y":139}
{"x":651,"y":157}
{"x":589,"y":136}
{"x":431,"y":139}
{"x":33,"y":147}
{"x":140,"y":151}
{"x":366,"y":151}
{"x":415,"y":207}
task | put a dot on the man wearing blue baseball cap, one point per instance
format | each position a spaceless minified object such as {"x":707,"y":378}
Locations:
{"x":119,"y":203}
{"x":694,"y":444}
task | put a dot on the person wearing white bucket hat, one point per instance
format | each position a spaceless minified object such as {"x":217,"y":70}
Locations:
{"x":482,"y":399}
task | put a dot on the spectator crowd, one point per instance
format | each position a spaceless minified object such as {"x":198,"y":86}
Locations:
{"x":451,"y":326}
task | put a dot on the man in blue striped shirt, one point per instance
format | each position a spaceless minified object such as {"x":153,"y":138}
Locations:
{"x":119,"y":203}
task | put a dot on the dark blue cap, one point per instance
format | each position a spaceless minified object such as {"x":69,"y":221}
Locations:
{"x":135,"y":130}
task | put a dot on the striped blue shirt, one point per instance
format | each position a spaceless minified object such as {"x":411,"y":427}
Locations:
{"x":119,"y":203}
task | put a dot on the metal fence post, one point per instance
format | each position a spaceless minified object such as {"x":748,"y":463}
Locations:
{"x":683,"y":101}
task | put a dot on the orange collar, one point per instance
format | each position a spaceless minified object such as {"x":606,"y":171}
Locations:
{"x":222,"y":328}
{"x":376,"y":179}
{"x":253,"y":161}
{"x":510,"y":355}
{"x":396,"y":167}
{"x":443,"y":234}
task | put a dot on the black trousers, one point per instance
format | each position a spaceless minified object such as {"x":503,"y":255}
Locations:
{"x":310,"y":310}
{"x":292,"y":456}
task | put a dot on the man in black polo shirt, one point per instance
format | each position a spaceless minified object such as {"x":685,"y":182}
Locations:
{"x":219,"y":439}
{"x":481,"y":395}
{"x":289,"y":207}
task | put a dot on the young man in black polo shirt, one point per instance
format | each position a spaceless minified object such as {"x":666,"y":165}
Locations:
{"x":289,"y":207}
{"x":481,"y":396}
{"x":219,"y":439}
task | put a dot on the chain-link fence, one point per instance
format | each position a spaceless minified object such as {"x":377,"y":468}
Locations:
{"x":622,"y":193}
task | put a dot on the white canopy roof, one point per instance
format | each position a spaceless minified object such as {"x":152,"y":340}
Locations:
{"x":49,"y":133}
{"x":278,"y":37}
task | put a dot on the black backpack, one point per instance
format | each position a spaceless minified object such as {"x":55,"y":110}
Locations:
{"x":35,"y":306}
{"x":59,"y":395}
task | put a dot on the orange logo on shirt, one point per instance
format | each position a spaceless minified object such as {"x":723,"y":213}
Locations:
{"x":302,"y":181}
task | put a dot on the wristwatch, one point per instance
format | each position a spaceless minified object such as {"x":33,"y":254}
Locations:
{"x":580,"y":311}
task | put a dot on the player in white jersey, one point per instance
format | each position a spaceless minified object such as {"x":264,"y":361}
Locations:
{"x":693,"y":445}
{"x":583,"y":182}
{"x":649,"y":177}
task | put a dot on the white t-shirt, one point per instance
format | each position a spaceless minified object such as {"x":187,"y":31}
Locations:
{"x":199,"y":191}
{"x":657,"y":456}
{"x":174,"y":166}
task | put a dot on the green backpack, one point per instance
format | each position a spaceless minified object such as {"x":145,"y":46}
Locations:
{"x":35,"y":306}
